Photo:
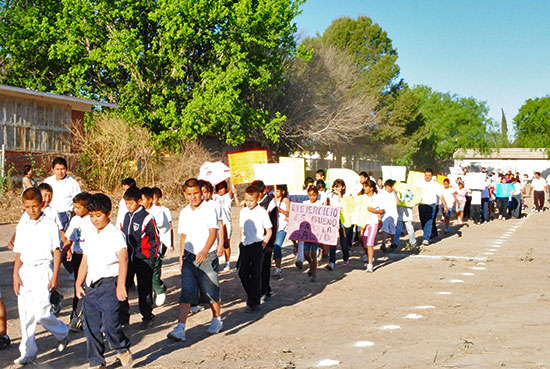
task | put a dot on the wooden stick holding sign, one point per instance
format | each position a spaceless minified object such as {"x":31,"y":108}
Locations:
{"x":314,"y":223}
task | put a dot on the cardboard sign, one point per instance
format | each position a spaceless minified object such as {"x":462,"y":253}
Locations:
{"x":414,"y":177}
{"x":214,"y":172}
{"x":351,"y":179}
{"x":241,"y":165}
{"x":352,"y":209}
{"x":397,"y":173}
{"x":312,"y":223}
{"x":476,"y":181}
{"x":441,"y":178}
{"x":408,"y":195}
{"x":273,"y":173}
{"x":298,"y":168}
{"x":457,"y":171}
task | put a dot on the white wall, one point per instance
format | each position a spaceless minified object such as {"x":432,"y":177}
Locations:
{"x":524,"y":166}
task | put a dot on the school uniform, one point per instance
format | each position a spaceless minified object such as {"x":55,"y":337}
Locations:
{"x":143,"y":245}
{"x":427,"y":209}
{"x":268,"y":251}
{"x":78,"y":230}
{"x":199,"y":281}
{"x":62,"y":197}
{"x":163,"y":230}
{"x":35,"y":241}
{"x":101,"y":308}
{"x":253,"y":223}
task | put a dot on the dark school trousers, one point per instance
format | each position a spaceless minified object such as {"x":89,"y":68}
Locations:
{"x":266,"y":273}
{"x":515,"y":206}
{"x":467,"y":207}
{"x":158,"y":285}
{"x":101,"y":316}
{"x":250,"y":268}
{"x":476,"y":213}
{"x":144,"y":273}
{"x":76,"y":314}
{"x":345,"y":243}
{"x":502,"y":204}
{"x":426,"y":213}
{"x":538,"y":197}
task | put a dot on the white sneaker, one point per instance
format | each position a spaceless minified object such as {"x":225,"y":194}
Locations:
{"x":24,"y":360}
{"x":370,"y":268}
{"x":178,"y":334}
{"x":425,"y":243}
{"x":196,"y":309}
{"x":227,"y":266}
{"x":216,"y":326}
{"x":365,"y":258}
{"x":62,"y":345}
{"x":160,"y":299}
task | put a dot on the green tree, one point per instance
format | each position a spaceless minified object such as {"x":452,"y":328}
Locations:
{"x":182,"y":68}
{"x":533,"y":124}
{"x":451,"y":123}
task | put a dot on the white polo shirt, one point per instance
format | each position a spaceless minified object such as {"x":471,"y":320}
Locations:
{"x":63,"y":192}
{"x":36,"y":240}
{"x":431,"y":191}
{"x":162,"y":223}
{"x":78,"y":231}
{"x":48,"y":212}
{"x":253,"y":224}
{"x":196,"y":225}
{"x":538,"y":184}
{"x":101,"y":250}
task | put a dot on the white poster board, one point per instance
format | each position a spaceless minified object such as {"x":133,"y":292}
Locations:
{"x":397,"y":173}
{"x":274,"y":173}
{"x":455,"y":171}
{"x":214,"y":172}
{"x":475,"y":181}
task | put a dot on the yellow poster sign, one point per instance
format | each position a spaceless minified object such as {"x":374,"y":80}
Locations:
{"x":241,"y":165}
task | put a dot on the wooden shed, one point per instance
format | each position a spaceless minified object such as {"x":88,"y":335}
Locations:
{"x":36,"y":123}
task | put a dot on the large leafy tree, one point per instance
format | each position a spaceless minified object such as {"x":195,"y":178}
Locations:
{"x":183,"y":68}
{"x":532,"y":124}
{"x":451,"y":123}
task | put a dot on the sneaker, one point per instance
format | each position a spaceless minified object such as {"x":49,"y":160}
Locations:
{"x":309,"y":272}
{"x":98,"y":367}
{"x":75,"y":326}
{"x":160,"y":299}
{"x":195,"y":309}
{"x":178,"y":334}
{"x":4,"y":342}
{"x":277,"y":274}
{"x":24,"y":360}
{"x":216,"y":326}
{"x":330,"y":266}
{"x":383,"y":248}
{"x":265,"y":298}
{"x":312,"y":280}
{"x":126,"y":359}
{"x":346,"y":262}
{"x":299,"y":264}
{"x":227,"y":266}
{"x":146,"y":323}
{"x":365,"y":258}
{"x":370,"y":269}
{"x":62,"y":345}
{"x":56,"y":305}
{"x":252,"y":309}
{"x":425,"y":243}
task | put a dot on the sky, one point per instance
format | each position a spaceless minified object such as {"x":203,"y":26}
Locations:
{"x":494,"y":51}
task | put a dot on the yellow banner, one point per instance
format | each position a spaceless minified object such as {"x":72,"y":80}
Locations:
{"x":242,"y":165}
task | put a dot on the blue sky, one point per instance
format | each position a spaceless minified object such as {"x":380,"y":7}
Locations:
{"x":494,"y":51}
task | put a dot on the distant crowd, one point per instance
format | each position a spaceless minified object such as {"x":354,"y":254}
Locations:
{"x":62,"y":226}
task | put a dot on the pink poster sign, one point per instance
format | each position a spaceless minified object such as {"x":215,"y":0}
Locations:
{"x":314,"y":223}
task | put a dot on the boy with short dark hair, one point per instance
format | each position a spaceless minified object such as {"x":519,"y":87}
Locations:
{"x":143,"y":245}
{"x":163,"y":230}
{"x":198,"y":259}
{"x":256,"y":229}
{"x":122,"y":210}
{"x":35,"y":273}
{"x":103,"y":270}
{"x":77,"y":233}
{"x":64,"y":189}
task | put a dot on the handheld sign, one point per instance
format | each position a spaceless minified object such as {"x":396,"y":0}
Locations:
{"x":313,"y":223}
{"x":351,"y":209}
{"x":273,"y":173}
{"x":414,"y":177}
{"x":397,"y":173}
{"x":476,"y":181}
{"x":214,"y":172}
{"x":408,"y":195}
{"x":351,"y":179}
{"x":441,"y":178}
{"x":241,"y":165}
{"x":298,"y":168}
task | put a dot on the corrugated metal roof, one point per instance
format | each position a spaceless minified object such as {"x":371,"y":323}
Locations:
{"x":75,"y":102}
{"x":504,"y":154}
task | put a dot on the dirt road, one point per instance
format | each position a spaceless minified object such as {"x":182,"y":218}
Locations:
{"x":478,"y":298}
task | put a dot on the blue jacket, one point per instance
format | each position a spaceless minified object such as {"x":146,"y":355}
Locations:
{"x":141,"y":236}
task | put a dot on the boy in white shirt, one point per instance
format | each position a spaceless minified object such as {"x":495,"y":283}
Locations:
{"x":77,"y":233}
{"x":157,"y":198}
{"x":37,"y":247}
{"x":64,"y":189}
{"x":198,"y":259}
{"x":256,"y":229}
{"x":122,"y":209}
{"x":103,"y":270}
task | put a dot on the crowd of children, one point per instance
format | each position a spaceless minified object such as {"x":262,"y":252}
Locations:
{"x":63,"y":226}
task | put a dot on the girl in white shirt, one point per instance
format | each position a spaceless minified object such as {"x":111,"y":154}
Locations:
{"x":282,"y":203}
{"x":373,"y":206}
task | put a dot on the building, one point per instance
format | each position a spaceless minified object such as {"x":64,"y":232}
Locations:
{"x":522,"y":160}
{"x":39,"y":124}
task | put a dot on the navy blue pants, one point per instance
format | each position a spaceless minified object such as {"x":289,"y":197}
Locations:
{"x":250,"y":268}
{"x":345,"y":243}
{"x":101,"y":309}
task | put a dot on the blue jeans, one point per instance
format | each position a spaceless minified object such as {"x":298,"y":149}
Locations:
{"x":279,"y":239}
{"x":199,"y":282}
{"x":426,"y":214}
{"x":485,"y":208}
{"x":101,"y":316}
{"x":345,"y":244}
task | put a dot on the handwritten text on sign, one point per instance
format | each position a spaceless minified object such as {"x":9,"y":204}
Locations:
{"x":313,"y":223}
